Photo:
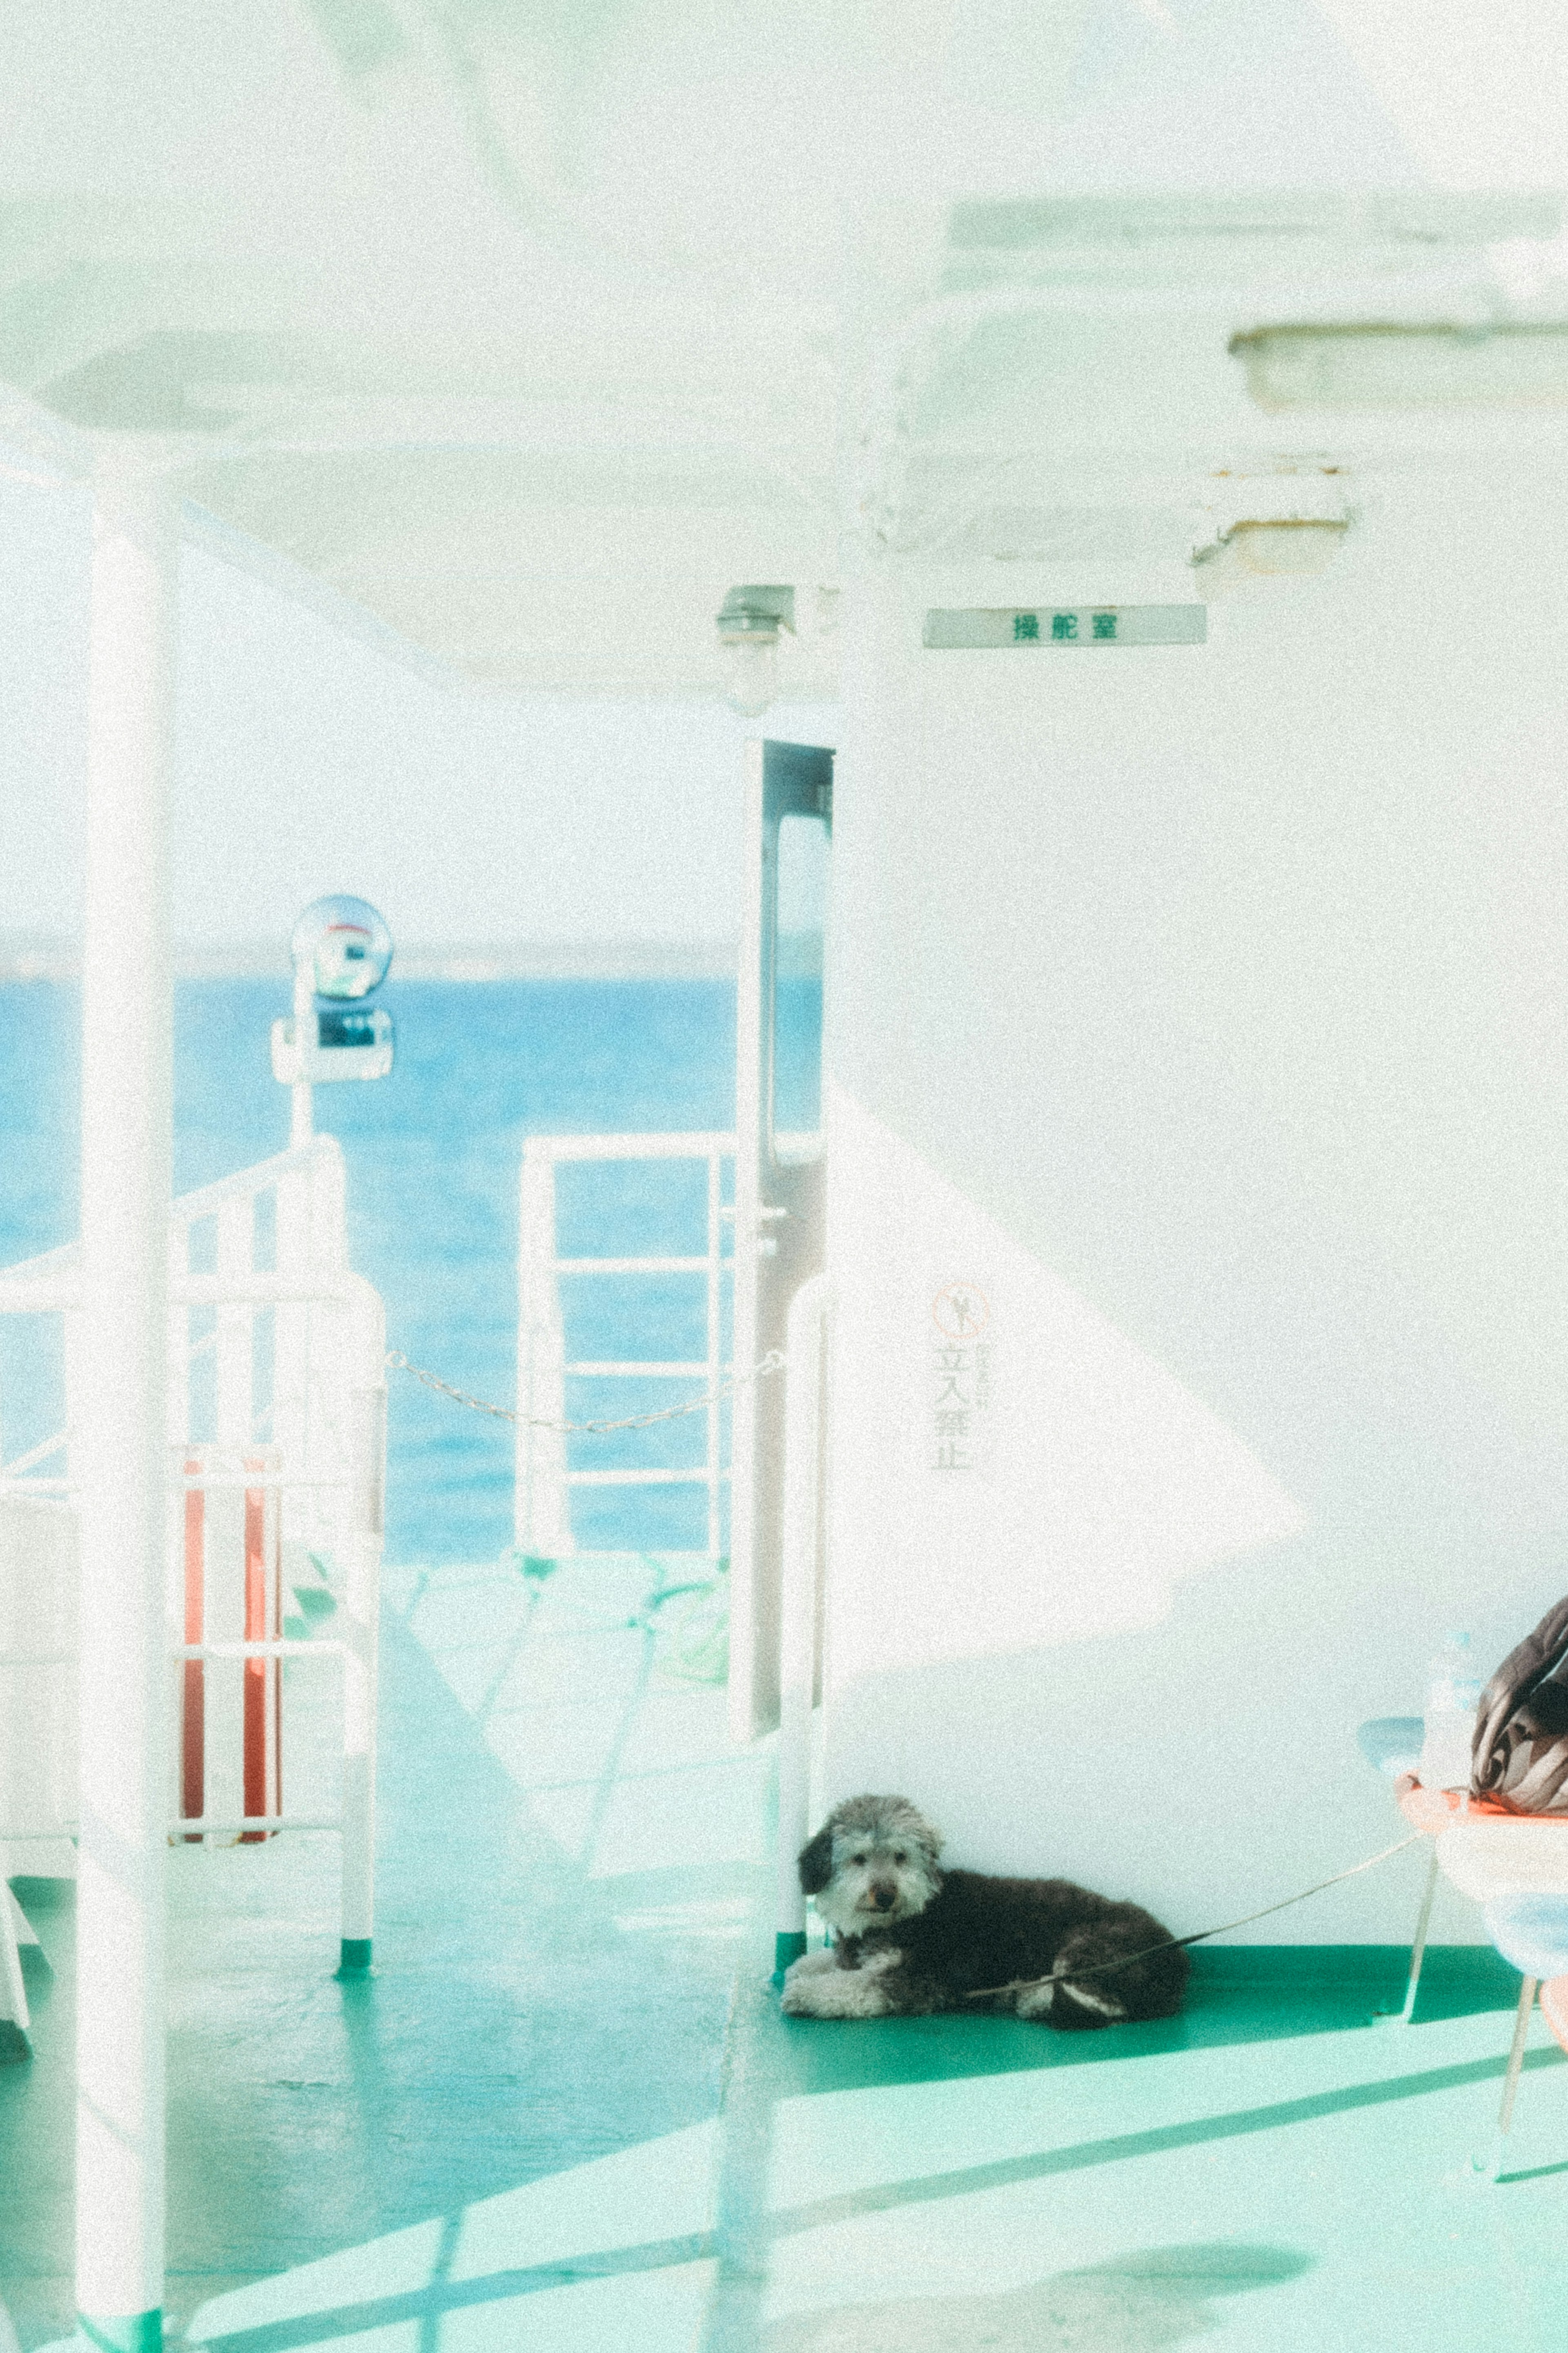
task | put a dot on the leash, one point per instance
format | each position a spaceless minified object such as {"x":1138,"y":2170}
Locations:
{"x":774,"y":1362}
{"x":1167,"y":1944}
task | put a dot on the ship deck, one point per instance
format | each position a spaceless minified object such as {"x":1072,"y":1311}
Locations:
{"x":566,"y":2111}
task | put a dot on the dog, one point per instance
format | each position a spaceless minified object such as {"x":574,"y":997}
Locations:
{"x":911,"y":1938}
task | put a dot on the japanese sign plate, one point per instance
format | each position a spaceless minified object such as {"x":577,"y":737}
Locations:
{"x":1068,"y":625}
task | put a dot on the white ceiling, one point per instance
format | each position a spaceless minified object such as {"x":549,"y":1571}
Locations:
{"x":531,"y":326}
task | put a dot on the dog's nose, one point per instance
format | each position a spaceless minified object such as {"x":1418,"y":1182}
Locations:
{"x":884,"y":1896}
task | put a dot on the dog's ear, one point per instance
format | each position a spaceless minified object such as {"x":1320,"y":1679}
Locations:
{"x":816,"y":1861}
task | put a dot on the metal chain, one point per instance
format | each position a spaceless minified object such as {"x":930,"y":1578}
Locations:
{"x":774,"y":1362}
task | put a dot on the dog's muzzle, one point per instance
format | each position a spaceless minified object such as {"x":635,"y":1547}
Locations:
{"x":883,"y":1896}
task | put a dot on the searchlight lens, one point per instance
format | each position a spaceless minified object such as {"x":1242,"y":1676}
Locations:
{"x":345,"y":944}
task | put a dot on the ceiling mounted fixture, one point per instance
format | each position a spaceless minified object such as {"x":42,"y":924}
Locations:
{"x":1291,"y":547}
{"x":749,"y":623}
{"x":1404,"y":366}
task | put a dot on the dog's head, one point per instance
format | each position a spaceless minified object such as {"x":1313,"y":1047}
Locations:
{"x":873,"y":1863}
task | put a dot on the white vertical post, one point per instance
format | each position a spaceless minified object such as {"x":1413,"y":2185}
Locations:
{"x":301,"y":1103}
{"x":291,"y":1357}
{"x":126,"y":1183}
{"x":541,"y":1519}
{"x":798,"y":1603}
{"x":747,"y":1242}
{"x":179,"y":1336}
{"x":328,"y":1209}
{"x":236,"y":1326}
{"x":329,"y":1331}
{"x":367,"y":1442}
{"x":183,"y":1679}
{"x":66,"y":1745}
{"x":715,"y":1351}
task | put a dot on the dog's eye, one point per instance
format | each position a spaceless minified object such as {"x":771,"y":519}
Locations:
{"x":860,"y":1858}
{"x":900,"y":1858}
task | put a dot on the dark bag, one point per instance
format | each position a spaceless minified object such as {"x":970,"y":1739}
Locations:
{"x":1519,"y":1755}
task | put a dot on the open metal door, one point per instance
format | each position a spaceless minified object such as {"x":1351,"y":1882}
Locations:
{"x":780,"y":1184}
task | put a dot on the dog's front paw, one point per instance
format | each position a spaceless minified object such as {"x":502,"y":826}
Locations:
{"x":835,"y":1993}
{"x":794,"y":1997}
{"x":811,"y":1964}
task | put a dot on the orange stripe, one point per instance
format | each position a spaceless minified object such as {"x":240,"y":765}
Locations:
{"x":1437,"y":1809}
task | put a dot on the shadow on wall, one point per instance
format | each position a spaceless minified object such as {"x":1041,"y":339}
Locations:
{"x":1119,"y":1647}
{"x":1141,"y":2304}
{"x":998,"y":1437}
{"x":1206,"y":1765}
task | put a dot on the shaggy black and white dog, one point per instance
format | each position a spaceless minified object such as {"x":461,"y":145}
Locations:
{"x":910,"y":1937}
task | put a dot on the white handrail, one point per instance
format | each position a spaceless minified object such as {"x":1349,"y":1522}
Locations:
{"x":191,"y":1207}
{"x":631,"y":1265}
{"x":543,"y":1477}
{"x":322,"y":1467}
{"x":62,"y":1295}
{"x":52,"y":1280}
{"x":806,"y":1346}
{"x":679,"y":1144}
{"x":699,"y":1477}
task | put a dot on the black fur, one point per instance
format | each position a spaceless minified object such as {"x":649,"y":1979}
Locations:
{"x":816,"y":1861}
{"x":979,"y":1931}
{"x":976,"y":1932}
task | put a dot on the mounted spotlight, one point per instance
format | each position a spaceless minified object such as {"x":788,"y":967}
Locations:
{"x":342,"y":951}
{"x":1283,"y":548}
{"x":749,"y":623}
{"x":1384,"y":365}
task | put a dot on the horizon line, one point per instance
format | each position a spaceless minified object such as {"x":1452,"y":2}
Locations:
{"x":56,"y":957}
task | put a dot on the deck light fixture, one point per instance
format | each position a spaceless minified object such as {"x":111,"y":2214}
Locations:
{"x":1277,"y":547}
{"x":1388,"y":365}
{"x":342,"y":951}
{"x":749,"y":623}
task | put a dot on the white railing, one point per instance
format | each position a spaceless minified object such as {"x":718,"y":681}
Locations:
{"x":544,"y":1478}
{"x":278,"y":1467}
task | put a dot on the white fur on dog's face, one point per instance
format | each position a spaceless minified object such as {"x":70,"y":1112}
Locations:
{"x":884,"y":1865}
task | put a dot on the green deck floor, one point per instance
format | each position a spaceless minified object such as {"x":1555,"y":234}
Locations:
{"x":566,"y":2112}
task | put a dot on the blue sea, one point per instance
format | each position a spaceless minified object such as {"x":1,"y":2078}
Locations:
{"x":433,"y":1156}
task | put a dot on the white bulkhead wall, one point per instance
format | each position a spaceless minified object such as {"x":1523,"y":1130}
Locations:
{"x":1206,"y":1012}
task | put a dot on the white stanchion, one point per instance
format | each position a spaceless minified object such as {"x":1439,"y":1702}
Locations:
{"x":543,"y":1522}
{"x":301,"y":1099}
{"x":806,"y":1346}
{"x":367,"y":1405}
{"x":126,"y":1184}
